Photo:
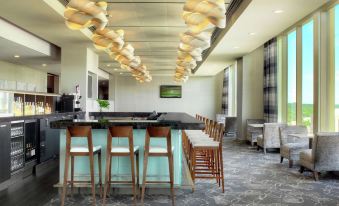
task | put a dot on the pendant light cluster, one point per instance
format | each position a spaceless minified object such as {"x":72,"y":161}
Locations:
{"x":80,"y":14}
{"x":201,"y":17}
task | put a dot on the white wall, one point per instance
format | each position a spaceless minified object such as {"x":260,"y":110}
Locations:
{"x":200,"y":95}
{"x":20,"y":73}
{"x":250,"y":78}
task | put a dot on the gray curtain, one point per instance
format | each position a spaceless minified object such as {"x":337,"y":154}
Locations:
{"x":270,"y":81}
{"x":225,"y":92}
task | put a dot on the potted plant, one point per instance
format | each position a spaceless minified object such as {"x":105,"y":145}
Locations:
{"x":103,"y":104}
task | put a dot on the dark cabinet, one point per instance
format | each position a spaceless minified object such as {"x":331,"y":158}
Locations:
{"x":49,"y":140}
{"x":5,"y":150}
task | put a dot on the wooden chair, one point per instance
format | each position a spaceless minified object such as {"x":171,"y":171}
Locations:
{"x":150,"y":151}
{"x":77,"y":151}
{"x":120,"y":151}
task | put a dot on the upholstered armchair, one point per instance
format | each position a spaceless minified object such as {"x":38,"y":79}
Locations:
{"x":323,"y":156}
{"x":253,"y":133}
{"x":230,"y":125}
{"x":290,"y":146}
{"x":270,"y":138}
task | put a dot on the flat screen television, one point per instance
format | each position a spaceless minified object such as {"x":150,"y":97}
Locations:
{"x":170,"y":91}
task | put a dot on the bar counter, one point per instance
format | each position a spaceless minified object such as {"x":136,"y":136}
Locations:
{"x":157,"y":166}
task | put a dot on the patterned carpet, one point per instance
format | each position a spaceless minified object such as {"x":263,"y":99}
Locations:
{"x":251,"y":178}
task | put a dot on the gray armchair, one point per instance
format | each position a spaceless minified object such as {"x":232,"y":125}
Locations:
{"x":323,"y":156}
{"x":230,"y":125}
{"x":290,"y":147}
{"x":253,"y":133}
{"x":271,"y":137}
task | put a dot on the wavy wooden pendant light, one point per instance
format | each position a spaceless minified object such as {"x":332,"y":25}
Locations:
{"x":201,"y":17}
{"x":81,"y":14}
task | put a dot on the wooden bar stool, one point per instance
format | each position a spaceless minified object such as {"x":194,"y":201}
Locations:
{"x":73,"y":151}
{"x":120,"y":151}
{"x":150,"y":151}
{"x":206,"y":157}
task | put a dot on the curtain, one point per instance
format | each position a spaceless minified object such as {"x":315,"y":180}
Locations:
{"x":225,"y":92}
{"x":270,"y":81}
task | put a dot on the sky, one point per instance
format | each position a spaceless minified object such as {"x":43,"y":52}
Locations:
{"x":336,"y":33}
{"x":307,"y":64}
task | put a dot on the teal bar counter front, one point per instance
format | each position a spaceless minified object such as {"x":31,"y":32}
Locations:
{"x":157,"y":169}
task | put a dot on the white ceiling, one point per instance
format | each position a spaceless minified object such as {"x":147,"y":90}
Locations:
{"x":153,"y":26}
{"x":260,"y":19}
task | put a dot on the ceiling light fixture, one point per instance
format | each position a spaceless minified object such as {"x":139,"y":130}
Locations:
{"x":81,"y":14}
{"x":16,"y":56}
{"x":252,"y":33}
{"x":200,"y":16}
{"x":44,"y":65}
{"x":278,"y":11}
{"x":115,"y":69}
{"x":236,"y":47}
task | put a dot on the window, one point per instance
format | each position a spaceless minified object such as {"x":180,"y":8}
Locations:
{"x":307,"y":75}
{"x":336,"y":62}
{"x":291,"y":77}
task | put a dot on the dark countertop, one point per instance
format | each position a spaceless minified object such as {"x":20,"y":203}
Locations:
{"x":41,"y":116}
{"x":173,"y":120}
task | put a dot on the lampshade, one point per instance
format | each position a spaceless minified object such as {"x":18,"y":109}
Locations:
{"x":96,"y":10}
{"x":77,"y":20}
{"x":115,"y":37}
{"x":80,"y":14}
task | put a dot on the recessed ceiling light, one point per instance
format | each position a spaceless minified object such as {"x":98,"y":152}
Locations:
{"x":236,"y":47}
{"x":115,"y":69}
{"x":278,"y":11}
{"x":121,"y":73}
{"x":108,"y":65}
{"x":44,"y":65}
{"x":252,"y":33}
{"x":16,"y":56}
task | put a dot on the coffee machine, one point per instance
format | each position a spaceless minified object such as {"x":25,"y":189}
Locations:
{"x":71,"y":102}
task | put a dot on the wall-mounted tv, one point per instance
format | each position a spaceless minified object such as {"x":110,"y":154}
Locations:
{"x":170,"y":91}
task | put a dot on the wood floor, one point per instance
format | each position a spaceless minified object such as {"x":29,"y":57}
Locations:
{"x":32,"y":191}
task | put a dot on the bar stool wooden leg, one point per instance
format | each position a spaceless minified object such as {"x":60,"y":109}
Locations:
{"x":64,"y":190}
{"x":100,"y":173}
{"x":222,"y":170}
{"x":133,"y":177}
{"x":144,"y":177}
{"x":193,"y":165}
{"x":137,"y":168}
{"x":91,"y":160}
{"x":107,"y":182}
{"x":171,"y":169}
{"x":109,"y":176}
{"x":72,"y":174}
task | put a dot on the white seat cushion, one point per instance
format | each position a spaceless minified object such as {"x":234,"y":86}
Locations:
{"x":159,"y":149}
{"x":84,"y":149}
{"x":210,"y":143}
{"x":191,"y":132}
{"x":122,"y":149}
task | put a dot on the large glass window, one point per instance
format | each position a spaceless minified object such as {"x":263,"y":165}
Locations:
{"x":336,"y":61}
{"x":291,"y":77}
{"x":307,"y":75}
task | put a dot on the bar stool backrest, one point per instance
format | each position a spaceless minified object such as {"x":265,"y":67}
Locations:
{"x":120,"y":132}
{"x":212,"y":128}
{"x":220,"y":132}
{"x":79,"y":131}
{"x":159,"y":132}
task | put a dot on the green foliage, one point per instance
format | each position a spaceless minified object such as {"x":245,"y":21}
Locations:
{"x":103,"y":104}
